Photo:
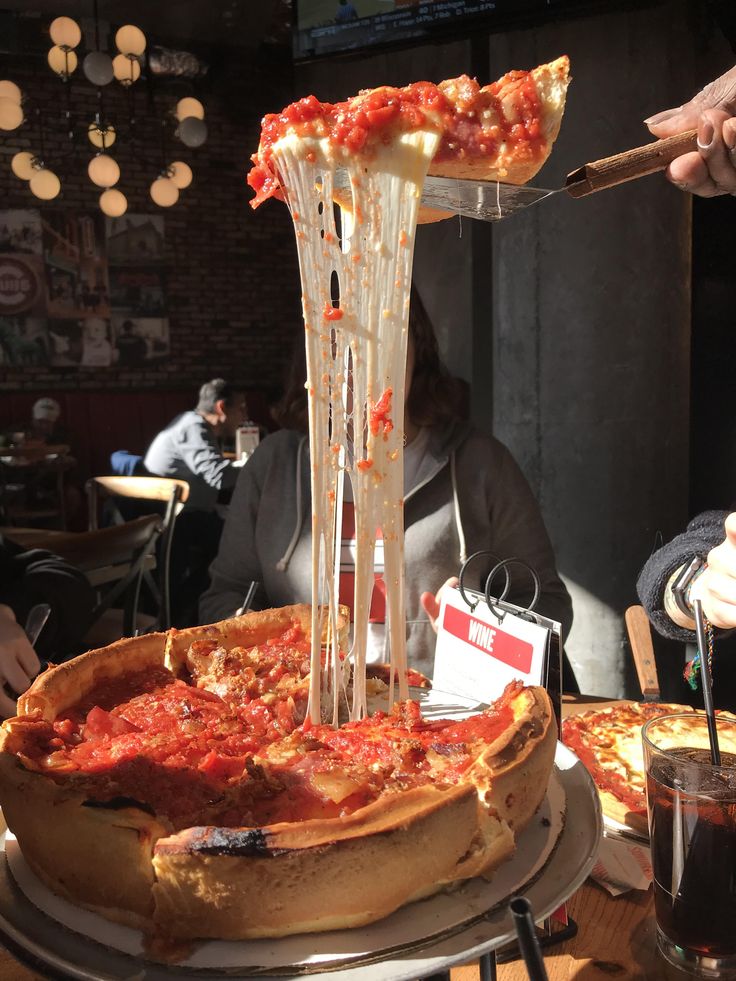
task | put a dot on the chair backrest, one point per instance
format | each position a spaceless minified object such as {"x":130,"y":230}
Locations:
{"x":142,"y":488}
{"x":117,"y":557}
{"x":90,"y":550}
{"x":161,"y":490}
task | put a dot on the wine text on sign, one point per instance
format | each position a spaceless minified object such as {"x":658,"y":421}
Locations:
{"x":510,"y":650}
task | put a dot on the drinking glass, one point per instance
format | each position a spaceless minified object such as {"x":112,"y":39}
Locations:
{"x":692,"y":828}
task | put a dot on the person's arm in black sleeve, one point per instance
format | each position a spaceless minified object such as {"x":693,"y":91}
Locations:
{"x":702,"y":534}
{"x":36,"y":576}
{"x":236,"y":564}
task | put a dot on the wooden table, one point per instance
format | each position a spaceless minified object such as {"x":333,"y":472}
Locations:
{"x":616,"y":937}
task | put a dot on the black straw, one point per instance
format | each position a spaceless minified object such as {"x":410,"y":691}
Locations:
{"x":715,"y":752}
{"x":528,"y":941}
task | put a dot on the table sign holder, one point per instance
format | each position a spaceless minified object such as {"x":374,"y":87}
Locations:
{"x":483,"y":643}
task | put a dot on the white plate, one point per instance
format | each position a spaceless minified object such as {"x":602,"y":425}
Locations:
{"x":417,"y":941}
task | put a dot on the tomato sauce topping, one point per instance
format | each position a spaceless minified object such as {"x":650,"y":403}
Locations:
{"x":473,"y":122}
{"x":605,"y":778}
{"x":234,"y":754}
{"x":379,"y":419}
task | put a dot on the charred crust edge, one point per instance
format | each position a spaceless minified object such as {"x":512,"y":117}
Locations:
{"x":244,"y":842}
{"x":119,"y":804}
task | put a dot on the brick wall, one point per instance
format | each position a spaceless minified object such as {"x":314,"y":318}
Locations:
{"x":233,"y":282}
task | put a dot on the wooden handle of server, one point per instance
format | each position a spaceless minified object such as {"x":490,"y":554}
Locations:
{"x":640,"y":638}
{"x":629,"y":165}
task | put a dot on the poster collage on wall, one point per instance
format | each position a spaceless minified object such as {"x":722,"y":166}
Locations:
{"x":82,"y":290}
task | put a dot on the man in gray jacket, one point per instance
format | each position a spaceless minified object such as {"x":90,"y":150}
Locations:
{"x":188,"y":448}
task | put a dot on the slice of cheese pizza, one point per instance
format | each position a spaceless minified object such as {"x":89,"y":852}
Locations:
{"x":608,"y":742}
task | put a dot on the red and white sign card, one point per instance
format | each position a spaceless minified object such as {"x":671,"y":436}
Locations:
{"x":479,"y":651}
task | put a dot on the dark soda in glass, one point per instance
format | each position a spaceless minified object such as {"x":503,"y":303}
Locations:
{"x":692,"y":827}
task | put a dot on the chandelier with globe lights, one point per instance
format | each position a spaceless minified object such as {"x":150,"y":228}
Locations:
{"x":185,"y":121}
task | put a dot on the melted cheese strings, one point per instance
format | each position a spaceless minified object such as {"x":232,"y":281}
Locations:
{"x":372,"y":265}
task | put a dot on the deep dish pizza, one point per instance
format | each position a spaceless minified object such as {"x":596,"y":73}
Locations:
{"x":355,"y":253}
{"x":172,"y":782}
{"x":608,"y":742}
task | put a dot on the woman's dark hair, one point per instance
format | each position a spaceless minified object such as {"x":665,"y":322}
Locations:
{"x":435,"y":396}
{"x":292,"y":411}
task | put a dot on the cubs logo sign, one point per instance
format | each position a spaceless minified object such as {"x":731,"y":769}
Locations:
{"x":19,"y":286}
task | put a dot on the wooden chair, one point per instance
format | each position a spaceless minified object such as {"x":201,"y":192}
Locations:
{"x":165,"y":495}
{"x":114,"y":560}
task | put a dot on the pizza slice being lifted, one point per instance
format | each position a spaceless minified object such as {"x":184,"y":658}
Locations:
{"x":356,"y":278}
{"x":503,"y":131}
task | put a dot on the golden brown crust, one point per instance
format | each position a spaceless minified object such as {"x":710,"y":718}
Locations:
{"x":339,"y":876}
{"x":249,"y":630}
{"x":512,"y":773}
{"x":551,"y":81}
{"x":96,"y":856}
{"x":66,"y":684}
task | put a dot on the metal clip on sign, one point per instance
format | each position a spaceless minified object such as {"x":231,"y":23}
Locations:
{"x":497,"y":605}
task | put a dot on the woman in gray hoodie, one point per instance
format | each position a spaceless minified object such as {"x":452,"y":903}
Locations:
{"x":463,"y":492}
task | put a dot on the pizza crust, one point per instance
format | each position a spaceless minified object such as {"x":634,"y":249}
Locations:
{"x":99,"y":857}
{"x":64,"y":685}
{"x":120,"y":860}
{"x":322,"y":875}
{"x":250,"y":630}
{"x":551,"y":82}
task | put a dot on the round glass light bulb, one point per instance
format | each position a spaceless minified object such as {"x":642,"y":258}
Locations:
{"x":185,"y":108}
{"x":9,"y":90}
{"x":192,"y":132}
{"x":62,"y":62}
{"x":11,"y":114}
{"x":103,"y":170}
{"x":113,"y":203}
{"x":130,"y":40}
{"x":65,"y":32}
{"x":101,"y":136}
{"x":22,"y":165}
{"x":97,"y":68}
{"x":45,"y":184}
{"x":126,"y":70}
{"x":180,"y":174}
{"x":164,"y":192}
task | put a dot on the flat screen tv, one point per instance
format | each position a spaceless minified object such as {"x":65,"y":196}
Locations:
{"x":330,"y":27}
